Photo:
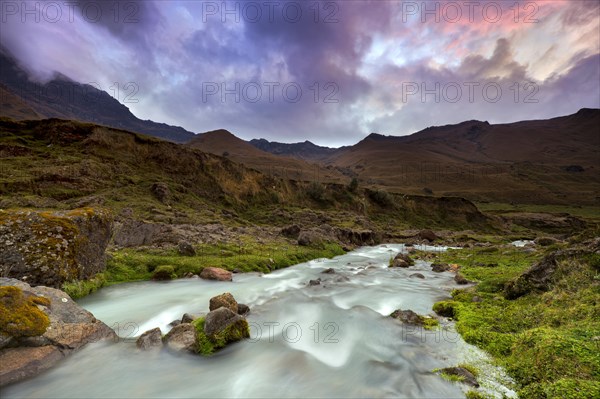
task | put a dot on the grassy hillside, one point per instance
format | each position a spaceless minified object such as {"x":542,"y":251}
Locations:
{"x":64,"y":164}
{"x":222,"y":142}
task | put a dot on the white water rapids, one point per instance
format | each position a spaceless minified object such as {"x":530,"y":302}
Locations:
{"x":329,"y":341}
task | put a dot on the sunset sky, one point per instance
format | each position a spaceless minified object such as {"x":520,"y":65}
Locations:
{"x":361,"y":66}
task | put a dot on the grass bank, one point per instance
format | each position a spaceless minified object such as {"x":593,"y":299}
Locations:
{"x":549,"y":342}
{"x":129,"y":265}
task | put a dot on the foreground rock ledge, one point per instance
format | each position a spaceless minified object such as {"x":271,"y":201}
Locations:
{"x":24,"y":352}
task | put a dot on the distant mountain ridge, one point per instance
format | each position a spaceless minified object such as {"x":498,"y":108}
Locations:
{"x":66,"y":99}
{"x":224,"y":143}
{"x":306,"y":150}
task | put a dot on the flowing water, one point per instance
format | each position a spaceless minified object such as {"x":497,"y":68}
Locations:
{"x":331,"y":340}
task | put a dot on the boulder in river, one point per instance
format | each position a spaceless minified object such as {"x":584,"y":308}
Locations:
{"x":218,"y":329}
{"x":225,"y":300}
{"x":460,"y":279}
{"x":40,"y":326}
{"x":402,"y":260}
{"x":187,"y":318}
{"x":407,"y":316}
{"x":182,"y":338}
{"x":412,"y":318}
{"x":440,"y":267}
{"x":417,"y":275}
{"x":243,"y":309}
{"x":216,"y":273}
{"x":329,"y":271}
{"x":151,"y":339}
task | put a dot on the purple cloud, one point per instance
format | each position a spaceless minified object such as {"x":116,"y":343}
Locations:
{"x":203,"y":65}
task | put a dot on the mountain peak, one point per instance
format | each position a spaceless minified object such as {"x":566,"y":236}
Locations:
{"x":376,"y":136}
{"x":220,"y":132}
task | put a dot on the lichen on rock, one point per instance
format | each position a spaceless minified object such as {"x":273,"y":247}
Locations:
{"x":51,"y":248}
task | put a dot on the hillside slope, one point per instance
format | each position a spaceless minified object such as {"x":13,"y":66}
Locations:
{"x":62,"y":164}
{"x":223,"y":142}
{"x":545,"y":161}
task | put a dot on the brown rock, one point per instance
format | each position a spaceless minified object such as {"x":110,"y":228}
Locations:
{"x":216,"y":273}
{"x":243,"y":309}
{"x":181,"y":338}
{"x":222,"y":318}
{"x":50,"y":248}
{"x":20,"y":363}
{"x":427,"y":235}
{"x":161,"y":192}
{"x":225,"y":300}
{"x":440,"y":267}
{"x":151,"y":339}
{"x":187,"y":318}
{"x":402,"y":260}
{"x":291,"y":231}
{"x":407,"y":317}
{"x":460,"y":279}
{"x":186,"y":249}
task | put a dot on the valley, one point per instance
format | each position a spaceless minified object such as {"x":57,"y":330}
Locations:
{"x":300,"y":199}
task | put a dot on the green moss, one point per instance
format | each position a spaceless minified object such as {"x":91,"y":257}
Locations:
{"x":208,"y":344}
{"x":80,"y":288}
{"x":444,"y":308}
{"x":19,"y":314}
{"x":429,"y":323}
{"x":476,"y":395}
{"x":548,"y":342}
{"x":491,"y":267}
{"x":450,"y":377}
{"x":164,"y":272}
{"x":205,"y":345}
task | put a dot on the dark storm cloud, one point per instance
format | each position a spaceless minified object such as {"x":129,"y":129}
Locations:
{"x":132,"y":21}
{"x":349,"y":58}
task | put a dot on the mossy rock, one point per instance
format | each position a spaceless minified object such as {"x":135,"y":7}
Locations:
{"x":20,"y":315}
{"x":164,"y":272}
{"x":51,"y":248}
{"x":445,"y":308}
{"x":209,"y":344}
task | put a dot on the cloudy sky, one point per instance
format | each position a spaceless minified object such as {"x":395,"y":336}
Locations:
{"x":330,"y":71}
